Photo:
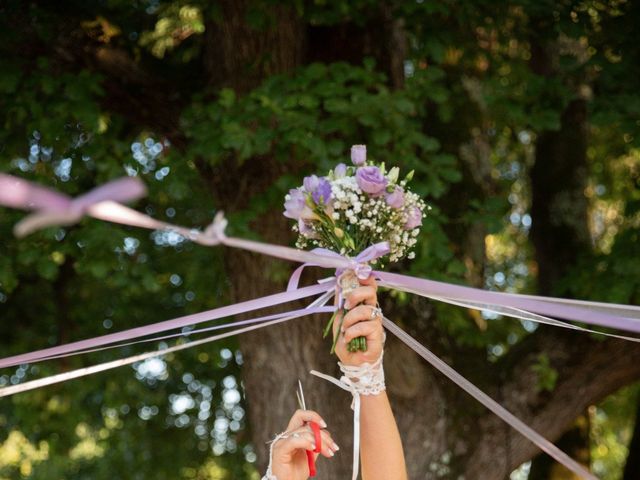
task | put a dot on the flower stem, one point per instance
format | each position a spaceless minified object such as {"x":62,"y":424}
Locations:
{"x":337,"y":334}
{"x":327,"y":329}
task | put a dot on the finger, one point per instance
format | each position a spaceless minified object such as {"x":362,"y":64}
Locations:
{"x":329,"y":446}
{"x":362,"y":313}
{"x":371,"y":329}
{"x":370,"y":281}
{"x":366,"y":295}
{"x":300,"y":417}
{"x":301,"y":441}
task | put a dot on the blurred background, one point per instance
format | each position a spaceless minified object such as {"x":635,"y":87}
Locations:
{"x":522,"y":121}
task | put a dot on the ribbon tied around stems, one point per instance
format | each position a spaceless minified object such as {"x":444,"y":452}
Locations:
{"x":53,"y":208}
{"x":358,"y":264}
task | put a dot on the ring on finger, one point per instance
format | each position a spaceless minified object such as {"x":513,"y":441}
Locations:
{"x":376,"y":312}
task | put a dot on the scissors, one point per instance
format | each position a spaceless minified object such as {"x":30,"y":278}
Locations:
{"x":315,"y":428}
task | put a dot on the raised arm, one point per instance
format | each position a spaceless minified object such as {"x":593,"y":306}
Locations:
{"x":381,"y":451}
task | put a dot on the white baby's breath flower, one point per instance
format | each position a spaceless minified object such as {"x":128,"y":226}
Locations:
{"x":363,"y":220}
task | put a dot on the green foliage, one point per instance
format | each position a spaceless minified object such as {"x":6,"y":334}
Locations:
{"x":547,"y":376}
{"x":317,"y":113}
{"x":611,"y":432}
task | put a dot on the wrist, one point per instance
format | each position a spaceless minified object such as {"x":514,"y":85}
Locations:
{"x":366,"y":378}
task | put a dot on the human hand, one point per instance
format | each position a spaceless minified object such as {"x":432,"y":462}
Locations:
{"x":360,"y":321}
{"x":289,"y":457}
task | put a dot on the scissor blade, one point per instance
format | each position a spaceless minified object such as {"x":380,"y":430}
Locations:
{"x":300,"y":394}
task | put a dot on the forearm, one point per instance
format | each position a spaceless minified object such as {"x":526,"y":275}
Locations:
{"x":381,"y":447}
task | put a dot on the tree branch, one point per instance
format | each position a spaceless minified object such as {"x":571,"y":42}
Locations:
{"x":588,"y":370}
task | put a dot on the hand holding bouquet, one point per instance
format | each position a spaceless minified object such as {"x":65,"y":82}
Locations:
{"x":353,"y":208}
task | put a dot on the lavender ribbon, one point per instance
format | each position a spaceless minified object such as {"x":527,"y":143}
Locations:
{"x":359,"y":264}
{"x":227,"y":311}
{"x":81,"y":372}
{"x":17,"y":193}
{"x":239,"y":323}
{"x":513,"y":421}
{"x":53,"y":208}
{"x":575,"y":312}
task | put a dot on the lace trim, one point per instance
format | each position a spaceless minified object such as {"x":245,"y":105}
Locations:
{"x":365,"y":379}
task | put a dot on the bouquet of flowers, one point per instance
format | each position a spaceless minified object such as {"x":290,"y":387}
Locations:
{"x":354,"y":207}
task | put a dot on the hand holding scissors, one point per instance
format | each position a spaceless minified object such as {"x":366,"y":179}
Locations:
{"x":315,"y":428}
{"x":294,"y":455}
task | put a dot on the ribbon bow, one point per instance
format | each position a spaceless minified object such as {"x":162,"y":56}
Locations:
{"x":54,"y":208}
{"x":359,"y":264}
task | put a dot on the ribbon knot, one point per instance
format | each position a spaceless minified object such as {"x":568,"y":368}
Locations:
{"x":214,"y":233}
{"x":359,"y":264}
{"x":52,"y":208}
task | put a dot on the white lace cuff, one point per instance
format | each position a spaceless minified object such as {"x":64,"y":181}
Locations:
{"x":365,"y":379}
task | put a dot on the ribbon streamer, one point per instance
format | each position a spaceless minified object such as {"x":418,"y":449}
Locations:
{"x":508,"y":311}
{"x":82,"y":372}
{"x":544,"y":444}
{"x":166,"y":325}
{"x":53,"y":208}
{"x":239,"y":323}
{"x":29,"y":195}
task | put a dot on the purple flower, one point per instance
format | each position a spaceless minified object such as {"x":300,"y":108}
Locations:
{"x":294,"y":204}
{"x":414,"y":218}
{"x":319,"y":188}
{"x":395,"y":199}
{"x":340,"y":171}
{"x":359,"y":155}
{"x":371,"y":180}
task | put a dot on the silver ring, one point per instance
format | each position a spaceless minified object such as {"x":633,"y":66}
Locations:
{"x":376,"y":312}
{"x":295,"y":435}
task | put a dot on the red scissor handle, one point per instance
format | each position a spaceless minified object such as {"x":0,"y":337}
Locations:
{"x":315,"y":428}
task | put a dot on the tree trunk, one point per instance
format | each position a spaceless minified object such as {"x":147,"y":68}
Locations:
{"x":559,"y":231}
{"x":632,"y":467}
{"x":276,"y":357}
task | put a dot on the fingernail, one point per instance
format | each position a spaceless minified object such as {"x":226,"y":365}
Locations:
{"x":331,"y":454}
{"x":336,"y":447}
{"x":347,"y":305}
{"x":323,"y":424}
{"x":313,"y":445}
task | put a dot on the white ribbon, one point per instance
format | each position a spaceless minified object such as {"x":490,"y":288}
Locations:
{"x":365,"y":379}
{"x":346,"y":384}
